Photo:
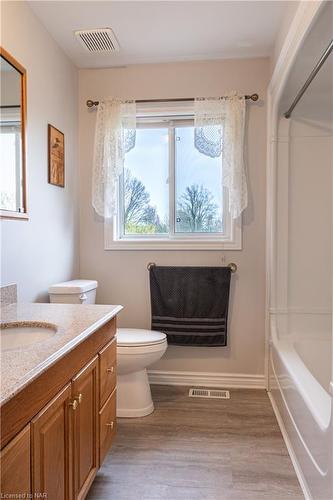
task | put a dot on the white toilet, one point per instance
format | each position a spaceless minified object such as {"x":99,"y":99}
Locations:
{"x":136,"y":350}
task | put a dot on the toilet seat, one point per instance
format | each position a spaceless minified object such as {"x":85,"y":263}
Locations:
{"x":137,"y":337}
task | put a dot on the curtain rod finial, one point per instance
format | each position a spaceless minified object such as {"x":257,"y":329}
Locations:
{"x":91,"y":104}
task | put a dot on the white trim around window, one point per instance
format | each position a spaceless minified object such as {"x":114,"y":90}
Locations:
{"x":231,"y":241}
{"x":114,"y":239}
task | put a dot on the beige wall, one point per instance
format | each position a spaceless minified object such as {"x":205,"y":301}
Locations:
{"x":43,"y":250}
{"x":122,"y":275}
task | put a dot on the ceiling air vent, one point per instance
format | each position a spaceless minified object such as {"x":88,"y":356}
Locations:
{"x":98,"y":40}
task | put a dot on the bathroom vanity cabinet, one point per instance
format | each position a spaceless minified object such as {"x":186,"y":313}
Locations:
{"x":16,"y":465}
{"x":64,"y":442}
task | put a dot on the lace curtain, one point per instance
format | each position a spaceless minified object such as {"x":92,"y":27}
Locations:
{"x":219,"y":130}
{"x":114,"y":136}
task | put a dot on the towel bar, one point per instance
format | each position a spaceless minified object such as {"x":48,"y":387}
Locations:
{"x":232,"y":266}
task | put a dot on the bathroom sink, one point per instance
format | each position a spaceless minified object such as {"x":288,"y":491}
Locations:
{"x":16,"y":335}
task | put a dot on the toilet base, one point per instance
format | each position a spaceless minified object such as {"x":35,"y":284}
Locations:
{"x":133,"y":395}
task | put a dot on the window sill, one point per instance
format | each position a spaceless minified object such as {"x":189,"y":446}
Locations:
{"x":168,"y":245}
{"x":111,"y":243}
{"x":8,"y":214}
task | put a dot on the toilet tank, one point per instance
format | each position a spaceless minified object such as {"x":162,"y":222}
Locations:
{"x":74,"y":292}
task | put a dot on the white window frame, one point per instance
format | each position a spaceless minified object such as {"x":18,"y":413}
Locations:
{"x":113,"y":233}
{"x":13,"y":126}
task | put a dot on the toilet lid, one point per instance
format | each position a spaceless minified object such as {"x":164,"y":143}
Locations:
{"x":138,"y":337}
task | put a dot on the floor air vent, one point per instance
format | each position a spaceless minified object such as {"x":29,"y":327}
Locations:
{"x":209,"y":393}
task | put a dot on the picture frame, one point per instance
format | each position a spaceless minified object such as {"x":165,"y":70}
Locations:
{"x":56,"y":156}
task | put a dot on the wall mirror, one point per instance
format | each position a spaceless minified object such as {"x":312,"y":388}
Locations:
{"x":12,"y":138}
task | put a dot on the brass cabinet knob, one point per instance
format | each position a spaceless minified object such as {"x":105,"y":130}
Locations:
{"x":74,"y":404}
{"x":79,"y":398}
{"x":110,"y":425}
{"x":110,"y":370}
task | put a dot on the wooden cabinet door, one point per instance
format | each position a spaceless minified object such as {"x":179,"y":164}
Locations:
{"x":107,"y":426}
{"x":85,"y":428}
{"x":15,"y":466}
{"x":107,"y":371}
{"x":51,"y":448}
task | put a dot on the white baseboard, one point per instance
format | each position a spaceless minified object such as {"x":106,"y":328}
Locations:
{"x":290,"y":449}
{"x":207,"y":379}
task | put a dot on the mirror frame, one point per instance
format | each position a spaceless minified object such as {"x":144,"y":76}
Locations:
{"x":8,"y":214}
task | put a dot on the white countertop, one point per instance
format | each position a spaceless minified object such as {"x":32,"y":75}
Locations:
{"x":75,"y":322}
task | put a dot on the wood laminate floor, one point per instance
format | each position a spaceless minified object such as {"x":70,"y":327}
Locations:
{"x":199,"y":449}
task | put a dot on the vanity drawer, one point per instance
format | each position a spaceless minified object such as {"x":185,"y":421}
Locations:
{"x":107,"y":426}
{"x":107,"y":370}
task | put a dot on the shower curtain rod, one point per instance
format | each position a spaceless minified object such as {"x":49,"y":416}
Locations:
{"x":91,"y":104}
{"x":312,"y":75}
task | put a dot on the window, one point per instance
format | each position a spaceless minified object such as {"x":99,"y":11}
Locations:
{"x":10,"y":172}
{"x":198,"y":187}
{"x":144,"y":190}
{"x":171,"y":195}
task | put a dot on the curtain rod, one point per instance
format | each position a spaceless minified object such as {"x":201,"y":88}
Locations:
{"x":91,"y":104}
{"x":312,"y":75}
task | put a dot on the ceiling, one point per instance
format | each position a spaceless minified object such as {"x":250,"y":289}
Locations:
{"x":165,"y":31}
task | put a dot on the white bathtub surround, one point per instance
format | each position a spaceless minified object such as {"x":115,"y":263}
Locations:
{"x":299,"y":385}
{"x":299,"y":285}
{"x":290,"y":448}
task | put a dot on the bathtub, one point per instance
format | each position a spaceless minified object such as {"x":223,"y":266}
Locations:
{"x":300,"y":371}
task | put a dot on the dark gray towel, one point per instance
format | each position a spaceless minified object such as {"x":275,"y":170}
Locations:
{"x":190,"y":304}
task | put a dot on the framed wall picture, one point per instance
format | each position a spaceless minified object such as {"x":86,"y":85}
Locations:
{"x":56,"y":141}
